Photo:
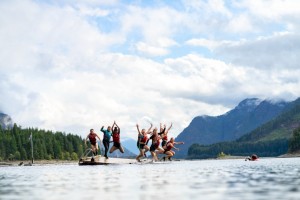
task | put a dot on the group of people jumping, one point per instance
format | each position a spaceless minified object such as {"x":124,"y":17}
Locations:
{"x":160,"y":143}
{"x":111,"y":131}
{"x":157,"y":138}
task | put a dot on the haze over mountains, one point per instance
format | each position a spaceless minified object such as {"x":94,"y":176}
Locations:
{"x":245,"y":117}
{"x":5,"y":121}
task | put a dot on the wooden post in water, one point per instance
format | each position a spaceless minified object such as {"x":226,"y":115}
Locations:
{"x":31,"y":148}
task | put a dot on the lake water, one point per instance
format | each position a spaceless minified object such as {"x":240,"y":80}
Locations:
{"x":277,"y":178}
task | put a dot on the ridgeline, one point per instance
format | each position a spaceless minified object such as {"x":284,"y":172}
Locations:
{"x":278,"y":136}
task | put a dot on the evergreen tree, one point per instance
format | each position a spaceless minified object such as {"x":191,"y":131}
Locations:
{"x":294,"y":143}
{"x":15,"y":144}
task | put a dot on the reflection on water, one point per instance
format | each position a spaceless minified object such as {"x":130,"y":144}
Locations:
{"x":209,"y":179}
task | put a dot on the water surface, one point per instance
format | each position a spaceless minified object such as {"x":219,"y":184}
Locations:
{"x":277,"y":178}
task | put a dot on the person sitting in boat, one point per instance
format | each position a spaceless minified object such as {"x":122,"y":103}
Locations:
{"x":92,"y":136}
{"x":116,"y":139}
{"x":106,"y":139}
{"x":253,"y":157}
{"x":141,"y":143}
{"x":168,"y":149}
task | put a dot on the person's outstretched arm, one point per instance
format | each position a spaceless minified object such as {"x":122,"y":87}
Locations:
{"x":86,"y":139}
{"x":170,"y":127}
{"x":149,"y":130}
{"x":112,"y":127}
{"x":138,"y":129}
{"x":116,"y":124}
{"x":98,"y":137}
{"x":178,"y":142}
{"x":162,"y":130}
{"x":102,"y":129}
{"x":117,"y":127}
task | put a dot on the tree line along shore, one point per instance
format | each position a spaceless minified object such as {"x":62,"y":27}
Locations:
{"x":48,"y":145}
{"x":57,"y":147}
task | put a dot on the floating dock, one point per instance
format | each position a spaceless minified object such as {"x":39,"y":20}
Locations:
{"x":101,"y":160}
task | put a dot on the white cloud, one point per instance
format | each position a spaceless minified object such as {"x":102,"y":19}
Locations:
{"x":240,"y":24}
{"x":150,"y":50}
{"x":209,"y":7}
{"x":209,"y":44}
{"x":154,"y":27}
{"x":84,"y":10}
{"x":271,"y":9}
{"x":59,"y":70}
{"x":278,"y":51}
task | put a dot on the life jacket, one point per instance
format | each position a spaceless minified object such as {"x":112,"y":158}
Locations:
{"x":254,"y":157}
{"x":169,"y":146}
{"x":144,"y":139}
{"x":116,"y":136}
{"x":92,"y":138}
{"x":156,"y":142}
{"x":165,"y":137}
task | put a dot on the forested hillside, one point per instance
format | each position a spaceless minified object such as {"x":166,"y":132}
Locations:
{"x":270,"y":139}
{"x":294,"y":145}
{"x":245,"y":117}
{"x":15,"y":144}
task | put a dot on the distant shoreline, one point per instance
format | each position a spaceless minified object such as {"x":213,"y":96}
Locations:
{"x":72,"y":162}
{"x":287,"y":155}
{"x":37,"y":162}
{"x":290,"y":155}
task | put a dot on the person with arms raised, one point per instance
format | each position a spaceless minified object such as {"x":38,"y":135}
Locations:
{"x":154,"y":148}
{"x":106,"y":139}
{"x":116,"y":139}
{"x":141,"y":143}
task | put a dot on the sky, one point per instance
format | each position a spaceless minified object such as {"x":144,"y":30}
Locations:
{"x":74,"y":65}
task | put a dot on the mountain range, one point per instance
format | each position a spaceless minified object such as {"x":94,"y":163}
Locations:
{"x":245,"y":117}
{"x":276,"y":137}
{"x":130,"y":144}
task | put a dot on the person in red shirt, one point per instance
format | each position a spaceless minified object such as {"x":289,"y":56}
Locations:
{"x":168,"y":149}
{"x":116,"y":139}
{"x":165,"y":135}
{"x":142,"y":140}
{"x":154,"y":148}
{"x":92,"y":136}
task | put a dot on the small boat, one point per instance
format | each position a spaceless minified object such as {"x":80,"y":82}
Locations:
{"x":89,"y":159}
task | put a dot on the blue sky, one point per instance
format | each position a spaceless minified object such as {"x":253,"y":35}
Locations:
{"x":74,"y":65}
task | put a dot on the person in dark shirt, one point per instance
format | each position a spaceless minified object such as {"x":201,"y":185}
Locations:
{"x":106,"y":139}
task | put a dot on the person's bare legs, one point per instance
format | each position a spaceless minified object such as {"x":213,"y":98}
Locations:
{"x":94,"y":149}
{"x":112,"y":149}
{"x":169,"y":154}
{"x":140,"y":155}
{"x":154,"y":157}
{"x":121,"y":149}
